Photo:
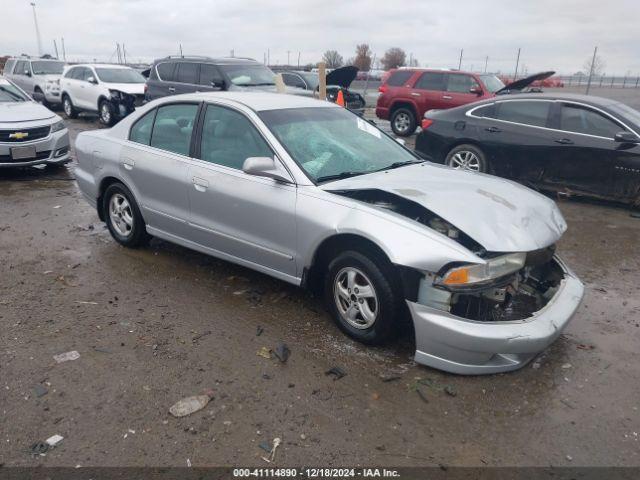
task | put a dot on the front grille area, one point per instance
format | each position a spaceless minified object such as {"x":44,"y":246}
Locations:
{"x":39,"y":156}
{"x":19,"y":135}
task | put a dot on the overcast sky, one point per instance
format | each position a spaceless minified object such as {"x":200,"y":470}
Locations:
{"x":553,"y":34}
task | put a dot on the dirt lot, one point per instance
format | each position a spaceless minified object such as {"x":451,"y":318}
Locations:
{"x":162,"y":323}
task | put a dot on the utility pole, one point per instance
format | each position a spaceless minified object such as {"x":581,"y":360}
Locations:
{"x":593,"y":61}
{"x":35,"y":20}
{"x":124,"y":53}
{"x":55,"y":47}
{"x":288,"y":59}
{"x":268,"y":57}
{"x":181,"y":50}
{"x":515,"y":75}
{"x":486,"y":61}
{"x":460,"y":62}
{"x":298,"y":60}
{"x":64,"y":53}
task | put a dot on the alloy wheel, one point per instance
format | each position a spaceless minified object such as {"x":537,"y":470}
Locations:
{"x":121,"y":215}
{"x":67,"y":106}
{"x":105,"y":113}
{"x":465,"y":160}
{"x":402,"y":122}
{"x":355,"y":298}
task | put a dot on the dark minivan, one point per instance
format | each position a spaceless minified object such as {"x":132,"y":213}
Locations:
{"x":188,"y":74}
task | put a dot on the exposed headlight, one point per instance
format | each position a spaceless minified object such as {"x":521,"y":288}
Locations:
{"x":56,"y":127}
{"x":469,"y":275}
{"x":115,"y":94}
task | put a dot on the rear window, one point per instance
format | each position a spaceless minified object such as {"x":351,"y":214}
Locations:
{"x":166,"y":71}
{"x":399,"y":78}
{"x":526,"y":112}
{"x":8,"y":66}
{"x":431,"y":81}
{"x":488,"y":111}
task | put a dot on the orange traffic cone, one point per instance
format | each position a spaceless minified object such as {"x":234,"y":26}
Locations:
{"x":340,"y":98}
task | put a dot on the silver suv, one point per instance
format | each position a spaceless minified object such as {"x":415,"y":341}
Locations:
{"x":39,"y":77}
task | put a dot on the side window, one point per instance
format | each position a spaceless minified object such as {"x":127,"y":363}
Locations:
{"x":431,"y":81}
{"x":70,"y":73}
{"x":399,"y":78}
{"x":460,"y":83}
{"x":87,"y":73}
{"x":20,"y":68}
{"x":229,"y":138}
{"x":526,"y":112}
{"x":141,"y":130}
{"x":293,"y":80}
{"x":187,"y":73}
{"x":8,"y":68}
{"x":209,"y":75}
{"x":173,"y":126}
{"x":487,"y":111}
{"x":166,"y":71}
{"x":579,"y":119}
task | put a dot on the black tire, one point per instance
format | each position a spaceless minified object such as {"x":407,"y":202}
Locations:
{"x":54,"y":166}
{"x":403,"y":122}
{"x":390,"y":308}
{"x":106,"y":113}
{"x":68,"y":108}
{"x":44,"y":101}
{"x":137,"y":235}
{"x":475,"y":158}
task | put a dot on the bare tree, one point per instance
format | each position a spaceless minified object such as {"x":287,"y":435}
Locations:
{"x":363,"y":57}
{"x":394,"y":58}
{"x":598,"y":65}
{"x":332,"y":59}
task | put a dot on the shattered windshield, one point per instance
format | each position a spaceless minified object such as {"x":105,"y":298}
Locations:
{"x":492,"y":83}
{"x":119,"y":75}
{"x":9,"y":93}
{"x":47,"y":68}
{"x":249,"y":75}
{"x":332,"y":143}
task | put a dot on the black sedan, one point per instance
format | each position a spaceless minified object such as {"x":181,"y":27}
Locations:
{"x":567,"y":143}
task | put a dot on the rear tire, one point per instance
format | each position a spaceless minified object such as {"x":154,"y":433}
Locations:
{"x":123,"y":217}
{"x":467,"y":157}
{"x":67,"y":105}
{"x":403,"y":122}
{"x":363,"y":298}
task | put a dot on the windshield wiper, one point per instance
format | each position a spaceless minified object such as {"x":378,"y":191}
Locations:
{"x":398,"y":165}
{"x":339,"y":176}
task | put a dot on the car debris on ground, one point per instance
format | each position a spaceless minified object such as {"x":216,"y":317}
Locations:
{"x":272,"y":452}
{"x":336,"y":372}
{"x":282,"y":352}
{"x":66,"y":357}
{"x":190,"y":405}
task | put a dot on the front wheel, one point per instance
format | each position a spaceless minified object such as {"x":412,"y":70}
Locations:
{"x":403,"y":122}
{"x":67,"y":106}
{"x":107,"y":116}
{"x":123,"y":217}
{"x":467,"y":157}
{"x":362,"y":299}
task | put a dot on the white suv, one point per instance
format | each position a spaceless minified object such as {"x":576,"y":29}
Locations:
{"x":39,"y":77}
{"x":112,"y":91}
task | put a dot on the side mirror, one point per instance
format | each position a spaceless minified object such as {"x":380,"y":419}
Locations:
{"x":266,"y":167}
{"x":626,"y":137}
{"x":476,"y":90}
{"x":92,"y":79}
{"x":218,"y":84}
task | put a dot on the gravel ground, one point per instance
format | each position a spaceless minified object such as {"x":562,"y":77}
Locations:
{"x":158,"y":324}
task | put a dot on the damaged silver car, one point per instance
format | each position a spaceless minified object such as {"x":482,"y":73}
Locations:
{"x":310,"y":193}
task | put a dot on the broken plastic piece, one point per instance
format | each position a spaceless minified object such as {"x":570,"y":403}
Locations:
{"x":264,"y":352}
{"x":67,"y":356}
{"x":189,"y":405}
{"x":337,"y":373}
{"x":54,"y":440}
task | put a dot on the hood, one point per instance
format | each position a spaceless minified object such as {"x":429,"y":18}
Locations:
{"x":524,"y":82}
{"x":49,"y":77}
{"x":15,"y":112}
{"x":131,"y":88}
{"x":343,"y":76}
{"x":500,"y":215}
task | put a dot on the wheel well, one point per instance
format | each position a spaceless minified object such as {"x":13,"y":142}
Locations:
{"x":37,"y":89}
{"x":330,"y":248}
{"x":104,"y":184}
{"x":101,"y":98}
{"x":402,"y":104}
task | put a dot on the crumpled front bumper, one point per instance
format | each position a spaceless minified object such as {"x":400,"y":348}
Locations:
{"x":459,"y":345}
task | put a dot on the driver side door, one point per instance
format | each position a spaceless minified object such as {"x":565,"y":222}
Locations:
{"x":244,"y":218}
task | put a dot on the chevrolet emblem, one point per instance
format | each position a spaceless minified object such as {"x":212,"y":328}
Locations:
{"x":18,"y":135}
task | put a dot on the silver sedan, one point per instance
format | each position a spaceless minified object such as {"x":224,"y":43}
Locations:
{"x":309,"y":193}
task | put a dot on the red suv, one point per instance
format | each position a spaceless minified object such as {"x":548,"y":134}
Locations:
{"x":407,"y":93}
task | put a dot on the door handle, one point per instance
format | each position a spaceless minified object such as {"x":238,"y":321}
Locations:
{"x":447,"y":97}
{"x":564,"y":141}
{"x":200,"y":184}
{"x":493,"y":129}
{"x":172,"y":89}
{"x":128,"y":163}
{"x":415,"y":94}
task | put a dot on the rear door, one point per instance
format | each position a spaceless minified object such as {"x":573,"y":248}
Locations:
{"x":516,"y":139}
{"x":459,"y":87}
{"x":429,"y":92}
{"x":155,"y":162}
{"x":186,"y":80}
{"x":584,"y":150}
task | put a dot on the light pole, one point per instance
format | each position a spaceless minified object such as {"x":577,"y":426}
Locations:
{"x":35,"y":20}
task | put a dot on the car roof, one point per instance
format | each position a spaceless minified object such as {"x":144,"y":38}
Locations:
{"x":218,"y":61}
{"x":257,"y":101}
{"x":101,"y":65}
{"x":576,"y":97}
